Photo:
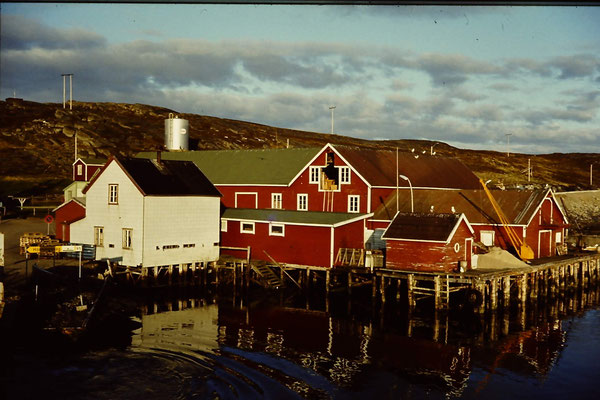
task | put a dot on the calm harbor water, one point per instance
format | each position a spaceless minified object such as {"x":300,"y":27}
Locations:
{"x":283,"y":345}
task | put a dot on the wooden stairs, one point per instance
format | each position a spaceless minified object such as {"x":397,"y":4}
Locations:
{"x":350,"y":257}
{"x":266,"y":277}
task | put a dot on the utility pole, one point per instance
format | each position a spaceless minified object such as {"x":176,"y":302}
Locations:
{"x":70,"y":90}
{"x":508,"y":135}
{"x":332,"y":108}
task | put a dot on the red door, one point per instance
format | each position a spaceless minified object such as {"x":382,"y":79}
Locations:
{"x":545,"y":244}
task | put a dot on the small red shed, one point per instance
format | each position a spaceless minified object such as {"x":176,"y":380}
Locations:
{"x":85,"y":168}
{"x":428,"y":242}
{"x":291,"y":237}
{"x":67,"y":213}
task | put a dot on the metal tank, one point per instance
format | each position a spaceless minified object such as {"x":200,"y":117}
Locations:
{"x":177,"y":133}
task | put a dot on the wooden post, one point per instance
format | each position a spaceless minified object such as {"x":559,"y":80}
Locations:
{"x":494,"y":294}
{"x":480,"y":286}
{"x":436,"y":322}
{"x":382,"y":289}
{"x":533,"y":293}
{"x":398,"y":285}
{"x":506,"y":291}
{"x":170,"y":274}
{"x":523,"y":289}
{"x":410,"y":283}
{"x":436,"y":293}
{"x":374,"y":287}
{"x":349,"y":283}
{"x":327,"y":281}
{"x":307,"y":278}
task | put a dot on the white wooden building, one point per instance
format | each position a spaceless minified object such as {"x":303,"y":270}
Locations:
{"x":150,"y":213}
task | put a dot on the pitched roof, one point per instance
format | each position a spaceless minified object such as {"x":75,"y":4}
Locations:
{"x":420,"y":226}
{"x":169,"y":178}
{"x":517,"y":205}
{"x":292,"y":217}
{"x":93,"y":161}
{"x":250,"y":167}
{"x":378,"y":167}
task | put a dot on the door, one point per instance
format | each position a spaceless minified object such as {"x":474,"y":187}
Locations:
{"x":469,"y":252}
{"x":545,"y":244}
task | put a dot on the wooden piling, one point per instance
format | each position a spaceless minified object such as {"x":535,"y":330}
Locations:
{"x":506,"y":291}
{"x":412,"y":302}
{"x":494,"y":294}
{"x":436,"y":292}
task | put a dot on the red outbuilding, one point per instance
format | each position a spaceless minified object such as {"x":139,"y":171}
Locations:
{"x":429,"y":242}
{"x":85,"y":168}
{"x":67,"y":213}
{"x":291,"y":237}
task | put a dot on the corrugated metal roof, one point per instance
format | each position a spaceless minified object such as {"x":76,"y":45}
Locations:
{"x":517,"y":205}
{"x":421,"y":226}
{"x":175,"y":178}
{"x":378,"y":167}
{"x":291,"y":216}
{"x":249,"y":167}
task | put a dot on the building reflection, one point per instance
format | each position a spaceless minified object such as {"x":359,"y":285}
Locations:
{"x":345,"y":348}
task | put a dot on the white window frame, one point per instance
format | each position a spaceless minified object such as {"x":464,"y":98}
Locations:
{"x":223,"y":225}
{"x":276,"y":201}
{"x":79,"y":169}
{"x":127,"y":238}
{"x":99,"y":236}
{"x":314,"y":174}
{"x":113,"y":193}
{"x":272,"y":225}
{"x":344,"y":175}
{"x":242,"y":223}
{"x":299,"y":202}
{"x":493,"y":237}
{"x":353,"y":203}
{"x":558,"y":237}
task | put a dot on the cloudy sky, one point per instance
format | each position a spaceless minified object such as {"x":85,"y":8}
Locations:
{"x":464,"y":75}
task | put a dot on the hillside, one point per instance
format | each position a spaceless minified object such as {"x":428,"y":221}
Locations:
{"x":37,"y":144}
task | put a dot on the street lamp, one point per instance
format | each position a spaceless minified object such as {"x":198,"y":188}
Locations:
{"x":412,"y":201}
{"x":431,"y":149}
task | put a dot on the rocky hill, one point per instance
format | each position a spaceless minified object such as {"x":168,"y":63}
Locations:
{"x":37,"y":144}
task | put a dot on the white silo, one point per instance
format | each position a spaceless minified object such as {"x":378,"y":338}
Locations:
{"x":177,"y":133}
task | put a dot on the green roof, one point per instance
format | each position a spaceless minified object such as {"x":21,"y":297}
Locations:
{"x":292,"y":217}
{"x":249,"y":167}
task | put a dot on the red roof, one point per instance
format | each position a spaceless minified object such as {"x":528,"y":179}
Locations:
{"x":378,"y":167}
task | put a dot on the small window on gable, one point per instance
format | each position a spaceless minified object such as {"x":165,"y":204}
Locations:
{"x":276,"y":230}
{"x":344,"y":175}
{"x":314,"y":174}
{"x":276,"y":200}
{"x":302,"y":202}
{"x":353,"y":203}
{"x":247,"y":227}
{"x":113,"y":193}
{"x":79,"y":169}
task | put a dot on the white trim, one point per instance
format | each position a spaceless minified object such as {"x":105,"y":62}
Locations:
{"x":447,"y":241}
{"x":67,"y":202}
{"x":316,"y":168}
{"x":223,"y":226}
{"x":369,"y":199}
{"x":462,"y":217}
{"x":298,"y":195}
{"x":540,"y":241}
{"x":273,"y":201}
{"x":248,"y":232}
{"x":341,"y":174}
{"x":331,"y":247}
{"x":255,"y":198}
{"x":308,"y":164}
{"x":282,"y":226}
{"x":456,"y":247}
{"x":348,"y":164}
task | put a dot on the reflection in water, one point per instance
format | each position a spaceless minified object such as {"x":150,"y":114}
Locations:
{"x":291,"y":349}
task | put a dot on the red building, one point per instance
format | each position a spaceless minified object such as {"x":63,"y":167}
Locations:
{"x":428,"y":242}
{"x":85,"y":168}
{"x":534,"y":215}
{"x":291,"y":237}
{"x":67,"y":213}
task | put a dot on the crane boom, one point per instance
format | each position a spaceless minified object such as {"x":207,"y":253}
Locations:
{"x":523,"y":250}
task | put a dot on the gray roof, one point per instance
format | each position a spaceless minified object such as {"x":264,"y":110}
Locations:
{"x":291,"y":216}
{"x":419,"y":226}
{"x":250,"y":167}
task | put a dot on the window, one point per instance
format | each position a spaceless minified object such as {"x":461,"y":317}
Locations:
{"x":276,"y":200}
{"x":247,"y":227}
{"x":170,"y":246}
{"x":276,"y":230}
{"x":189,"y":245}
{"x":353,"y":203}
{"x":223,"y":225}
{"x":302,"y":202}
{"x":113,"y":193}
{"x":487,"y":238}
{"x":558,"y":237}
{"x":99,"y":236}
{"x":79,"y":169}
{"x":344,"y":175}
{"x":127,"y":235}
{"x":314,"y":174}
{"x":456,"y":247}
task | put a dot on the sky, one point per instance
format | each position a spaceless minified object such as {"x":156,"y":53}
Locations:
{"x":518,"y":78}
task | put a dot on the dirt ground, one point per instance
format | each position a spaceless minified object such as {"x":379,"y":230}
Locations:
{"x":14,"y":263}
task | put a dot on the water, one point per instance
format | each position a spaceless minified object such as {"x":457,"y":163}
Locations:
{"x":283,"y":345}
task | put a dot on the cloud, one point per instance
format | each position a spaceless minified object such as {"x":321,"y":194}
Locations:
{"x":19,"y":33}
{"x":454,"y":69}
